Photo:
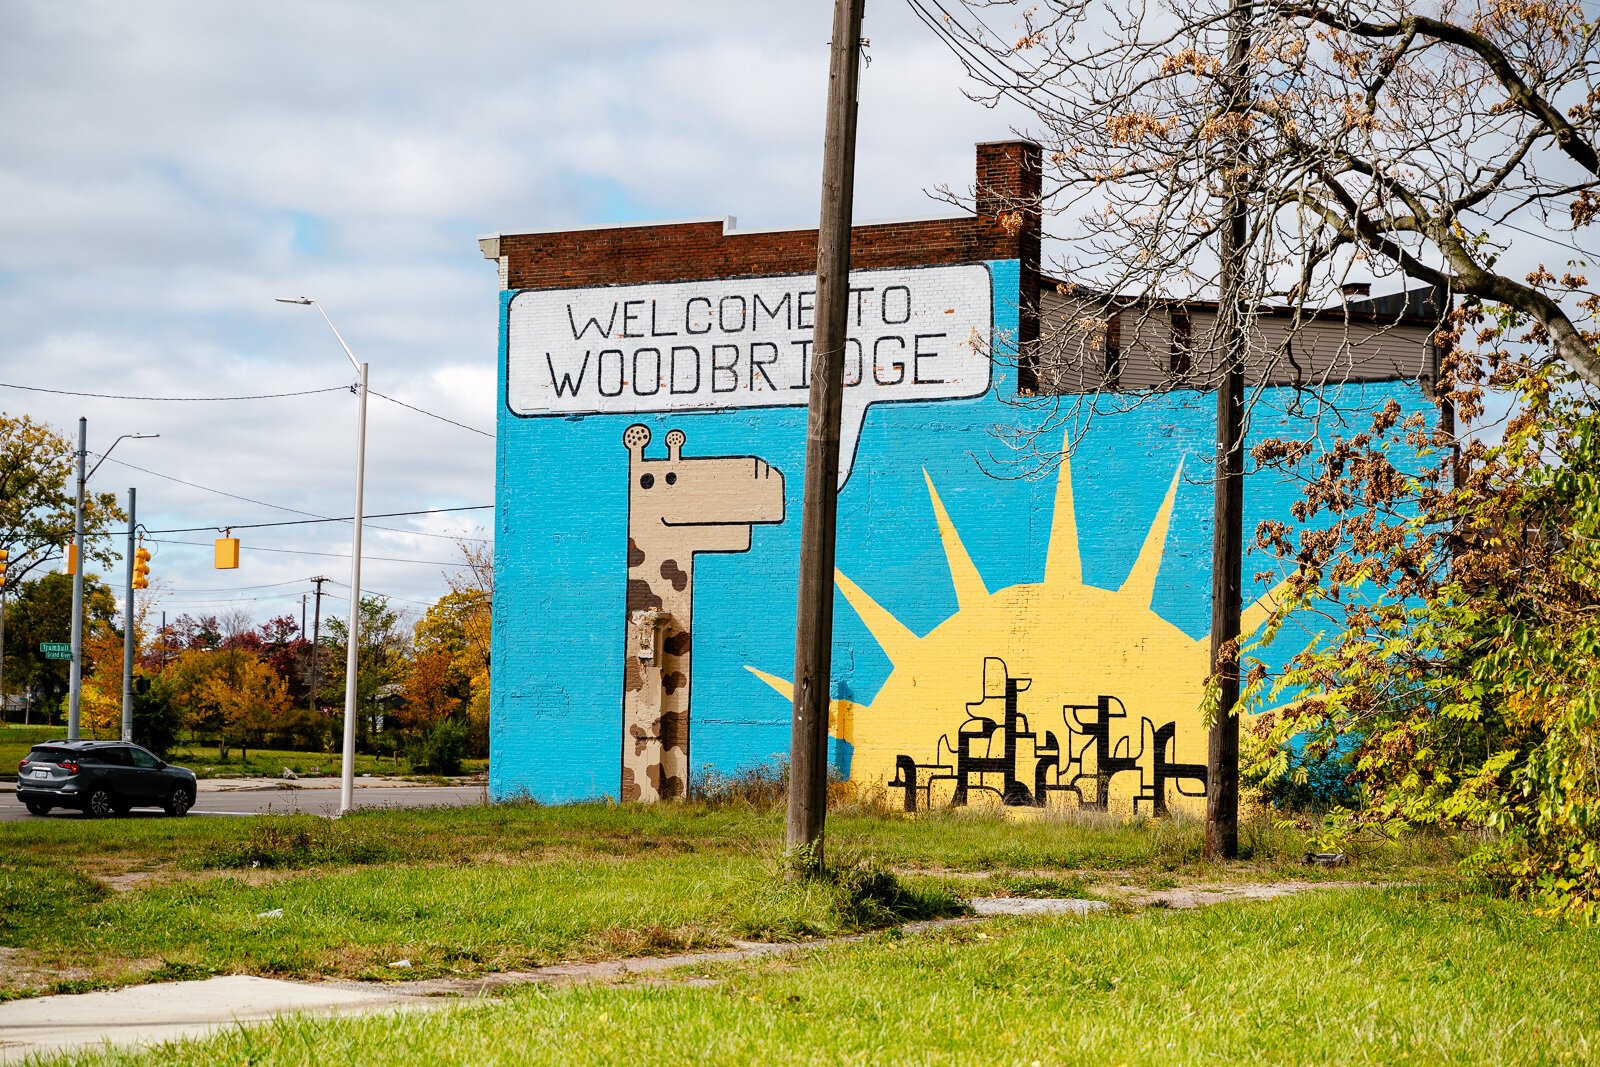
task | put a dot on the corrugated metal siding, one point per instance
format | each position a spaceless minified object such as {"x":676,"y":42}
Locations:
{"x":1082,"y":350}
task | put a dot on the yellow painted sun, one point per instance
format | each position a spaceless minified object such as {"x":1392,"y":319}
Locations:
{"x":1082,"y":662}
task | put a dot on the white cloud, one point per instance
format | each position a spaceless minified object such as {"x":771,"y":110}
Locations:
{"x":170,"y":167}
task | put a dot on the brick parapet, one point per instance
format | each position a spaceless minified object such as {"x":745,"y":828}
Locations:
{"x":1007,"y":182}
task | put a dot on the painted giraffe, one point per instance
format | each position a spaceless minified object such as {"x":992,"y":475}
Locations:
{"x":677,"y":508}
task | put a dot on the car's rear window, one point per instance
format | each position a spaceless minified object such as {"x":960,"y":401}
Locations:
{"x":51,"y":755}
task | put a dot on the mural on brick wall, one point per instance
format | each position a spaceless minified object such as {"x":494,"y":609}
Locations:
{"x":1036,"y":694}
{"x":994,"y":642}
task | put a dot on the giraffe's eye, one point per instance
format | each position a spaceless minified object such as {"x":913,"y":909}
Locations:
{"x":647,"y":480}
{"x":672,"y":479}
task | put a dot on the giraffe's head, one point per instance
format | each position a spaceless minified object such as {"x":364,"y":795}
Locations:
{"x":709,"y":499}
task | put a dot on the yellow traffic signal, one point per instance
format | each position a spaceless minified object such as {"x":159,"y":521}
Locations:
{"x":4,"y":555}
{"x":227,"y":554}
{"x":141,"y":568}
{"x":72,"y":559}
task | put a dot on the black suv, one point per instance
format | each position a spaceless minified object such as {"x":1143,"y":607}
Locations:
{"x":101,"y":777}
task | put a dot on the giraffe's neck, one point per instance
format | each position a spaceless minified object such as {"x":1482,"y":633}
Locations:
{"x":656,"y":690}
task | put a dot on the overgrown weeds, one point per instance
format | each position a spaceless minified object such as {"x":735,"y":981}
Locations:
{"x":303,"y":841}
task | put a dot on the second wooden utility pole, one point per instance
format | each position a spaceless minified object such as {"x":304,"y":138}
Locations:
{"x":1227,"y":540}
{"x":316,"y":640}
{"x":813,"y":637}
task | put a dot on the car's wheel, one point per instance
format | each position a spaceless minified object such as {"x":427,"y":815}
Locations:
{"x":179,"y":801}
{"x":100,"y":804}
{"x":38,"y":807}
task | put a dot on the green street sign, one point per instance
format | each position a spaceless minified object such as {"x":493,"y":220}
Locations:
{"x":59,"y":655}
{"x":55,"y":650}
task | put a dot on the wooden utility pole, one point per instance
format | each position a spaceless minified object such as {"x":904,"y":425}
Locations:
{"x":316,"y":639}
{"x":1227,"y":539}
{"x":813,"y":636}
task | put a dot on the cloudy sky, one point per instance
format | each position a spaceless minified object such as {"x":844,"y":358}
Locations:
{"x":171,"y":166}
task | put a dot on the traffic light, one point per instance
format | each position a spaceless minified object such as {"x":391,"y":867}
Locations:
{"x":226,"y":556}
{"x":4,"y":555}
{"x":141,"y":568}
{"x":72,"y":560}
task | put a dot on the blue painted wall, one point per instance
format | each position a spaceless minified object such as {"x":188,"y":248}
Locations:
{"x":561,"y":537}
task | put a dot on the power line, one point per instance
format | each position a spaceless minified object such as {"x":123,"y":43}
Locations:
{"x":182,"y":399}
{"x":282,"y":507}
{"x":201,"y":589}
{"x":204,"y":488}
{"x":346,"y":518}
{"x":308,"y":552}
{"x":431,"y":415}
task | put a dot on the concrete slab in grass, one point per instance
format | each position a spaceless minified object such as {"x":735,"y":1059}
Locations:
{"x":1036,"y":906}
{"x":150,"y":1014}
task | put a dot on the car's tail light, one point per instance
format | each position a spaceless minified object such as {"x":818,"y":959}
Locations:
{"x":70,"y":766}
{"x":22,"y":766}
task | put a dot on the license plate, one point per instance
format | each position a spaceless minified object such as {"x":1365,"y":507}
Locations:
{"x":41,"y":772}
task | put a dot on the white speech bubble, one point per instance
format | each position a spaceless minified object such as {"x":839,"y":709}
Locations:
{"x":919,"y":334}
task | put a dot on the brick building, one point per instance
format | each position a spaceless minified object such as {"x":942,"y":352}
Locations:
{"x":1009,"y":628}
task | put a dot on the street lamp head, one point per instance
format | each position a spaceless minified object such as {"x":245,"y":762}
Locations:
{"x":142,"y":436}
{"x":294,"y":300}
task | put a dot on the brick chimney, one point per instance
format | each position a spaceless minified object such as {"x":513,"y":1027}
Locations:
{"x":1008,"y":189}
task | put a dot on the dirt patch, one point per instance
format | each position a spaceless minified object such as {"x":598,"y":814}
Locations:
{"x":127,"y":880}
{"x":21,"y":971}
{"x":1198,"y":896}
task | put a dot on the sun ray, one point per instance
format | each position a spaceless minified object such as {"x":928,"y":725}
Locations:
{"x":897,"y":642}
{"x":841,"y":713}
{"x":970,"y":590}
{"x":1141,"y":581}
{"x":1062,"y":566}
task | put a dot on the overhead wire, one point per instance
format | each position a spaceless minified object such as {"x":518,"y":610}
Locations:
{"x":174,"y":399}
{"x":345,"y":518}
{"x":308,"y":552}
{"x":430,"y":414}
{"x":293,"y":511}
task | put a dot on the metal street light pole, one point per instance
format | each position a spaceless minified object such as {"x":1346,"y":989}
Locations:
{"x":127,"y":621}
{"x":347,"y":781}
{"x":75,"y":673}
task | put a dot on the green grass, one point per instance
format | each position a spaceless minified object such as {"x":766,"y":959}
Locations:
{"x":454,"y":892}
{"x":16,"y":740}
{"x":1337,"y":977}
{"x":269,"y":763}
{"x":202,"y":758}
{"x":463,"y":891}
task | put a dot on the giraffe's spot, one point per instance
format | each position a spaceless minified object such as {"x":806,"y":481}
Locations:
{"x":675,"y":574}
{"x":653,"y":772}
{"x":635,"y":554}
{"x":672,"y":787}
{"x":630,"y":785}
{"x":672,"y":681}
{"x":675,"y":732}
{"x":677,"y":643}
{"x":632,"y":675}
{"x":641,"y":597}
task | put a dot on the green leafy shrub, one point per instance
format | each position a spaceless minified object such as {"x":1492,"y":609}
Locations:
{"x":440,"y":749}
{"x":1464,"y":679}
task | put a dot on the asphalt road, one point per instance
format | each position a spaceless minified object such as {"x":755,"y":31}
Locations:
{"x":289,"y":801}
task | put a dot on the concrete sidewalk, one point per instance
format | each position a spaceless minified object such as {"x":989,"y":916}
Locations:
{"x":150,"y":1014}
